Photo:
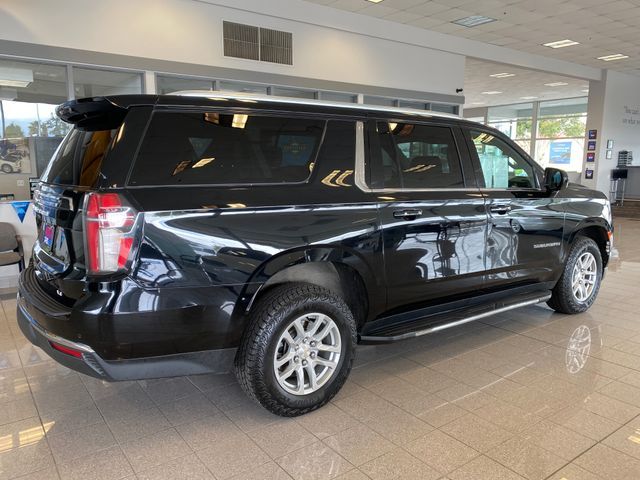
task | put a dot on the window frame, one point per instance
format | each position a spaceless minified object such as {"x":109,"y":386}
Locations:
{"x":364,"y":156}
{"x":538,"y":172}
{"x":230,"y":111}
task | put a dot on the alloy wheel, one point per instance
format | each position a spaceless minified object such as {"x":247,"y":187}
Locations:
{"x":307,"y":353}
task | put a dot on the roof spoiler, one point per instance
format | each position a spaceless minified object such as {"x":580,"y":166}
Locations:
{"x":96,"y":113}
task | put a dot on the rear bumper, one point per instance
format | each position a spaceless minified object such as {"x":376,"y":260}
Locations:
{"x":90,"y":363}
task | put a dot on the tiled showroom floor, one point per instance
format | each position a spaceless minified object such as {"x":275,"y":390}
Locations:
{"x":528,"y":394}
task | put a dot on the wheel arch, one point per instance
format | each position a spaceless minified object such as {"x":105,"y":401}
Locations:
{"x":341,"y":271}
{"x":599,"y":231}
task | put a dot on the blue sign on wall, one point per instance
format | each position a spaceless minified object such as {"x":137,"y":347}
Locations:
{"x":21,"y":209}
{"x":560,"y":152}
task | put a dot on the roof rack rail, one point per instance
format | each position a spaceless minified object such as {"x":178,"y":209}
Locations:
{"x":257,"y":97}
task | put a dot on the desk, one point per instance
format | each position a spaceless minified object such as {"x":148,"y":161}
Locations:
{"x":632,"y":187}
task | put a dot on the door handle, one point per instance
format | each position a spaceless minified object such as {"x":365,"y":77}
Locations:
{"x":500,"y":209}
{"x":409,"y":214}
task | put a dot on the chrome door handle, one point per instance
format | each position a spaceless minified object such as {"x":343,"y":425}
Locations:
{"x":500,"y":209}
{"x":409,"y":214}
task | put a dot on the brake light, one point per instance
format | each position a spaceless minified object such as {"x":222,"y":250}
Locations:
{"x":66,"y":350}
{"x":109,"y":233}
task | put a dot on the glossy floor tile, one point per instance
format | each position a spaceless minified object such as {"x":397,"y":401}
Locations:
{"x":526,"y":395}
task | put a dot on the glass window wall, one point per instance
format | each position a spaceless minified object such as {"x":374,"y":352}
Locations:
{"x":88,"y":82}
{"x":166,"y":84}
{"x":558,"y":137}
{"x":515,"y":121}
{"x":30,"y":131}
{"x":560,"y":134}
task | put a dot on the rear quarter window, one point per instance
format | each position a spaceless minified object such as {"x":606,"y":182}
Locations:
{"x":211,"y":148}
{"x":78,"y":159}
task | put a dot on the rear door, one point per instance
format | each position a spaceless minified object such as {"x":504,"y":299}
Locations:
{"x":525,"y":225}
{"x":72,"y":170}
{"x":88,"y":158}
{"x":432,"y":214}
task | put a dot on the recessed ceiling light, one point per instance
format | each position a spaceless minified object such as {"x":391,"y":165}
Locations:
{"x":473,"y":21}
{"x":617,"y":56}
{"x":561,"y":43}
{"x":374,"y":1}
{"x":556,"y":84}
{"x":503,"y":75}
{"x":478,"y":103}
{"x":491,"y":92}
{"x":528,"y":98}
{"x":586,"y":91}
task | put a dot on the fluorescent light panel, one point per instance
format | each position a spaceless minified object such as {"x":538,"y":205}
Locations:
{"x":473,"y":21}
{"x":528,"y":98}
{"x":556,"y":84}
{"x":491,"y":92}
{"x":616,"y":56}
{"x":503,"y":75}
{"x":374,"y":1}
{"x":561,"y":43}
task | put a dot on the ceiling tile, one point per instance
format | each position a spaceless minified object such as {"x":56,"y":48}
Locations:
{"x":600,"y":26}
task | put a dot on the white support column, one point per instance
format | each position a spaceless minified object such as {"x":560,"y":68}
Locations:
{"x":535,"y":111}
{"x":149,"y":82}
{"x":71,"y":94}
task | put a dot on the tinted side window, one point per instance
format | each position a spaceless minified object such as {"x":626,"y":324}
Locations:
{"x":414,"y":156}
{"x":336,"y":159}
{"x":78,"y":159}
{"x":196,"y":148}
{"x":502,"y":166}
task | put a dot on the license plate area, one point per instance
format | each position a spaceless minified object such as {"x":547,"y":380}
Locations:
{"x":48,"y":235}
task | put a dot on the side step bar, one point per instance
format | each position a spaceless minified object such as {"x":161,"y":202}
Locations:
{"x":372,"y":339}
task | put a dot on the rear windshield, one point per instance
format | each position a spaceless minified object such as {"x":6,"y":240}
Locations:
{"x":210,"y":148}
{"x":78,"y":159}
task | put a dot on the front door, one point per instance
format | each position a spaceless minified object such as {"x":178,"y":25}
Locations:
{"x":524,"y":231}
{"x":432,"y":217}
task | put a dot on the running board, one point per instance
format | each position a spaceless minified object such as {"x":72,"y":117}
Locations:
{"x":369,"y":339}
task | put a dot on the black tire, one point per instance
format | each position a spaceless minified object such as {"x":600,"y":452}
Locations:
{"x":272,"y":314}
{"x":562,"y":298}
{"x":6,"y":168}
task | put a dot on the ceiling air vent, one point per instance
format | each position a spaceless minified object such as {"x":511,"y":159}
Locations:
{"x":241,"y":41}
{"x":276,"y":46}
{"x":255,"y":43}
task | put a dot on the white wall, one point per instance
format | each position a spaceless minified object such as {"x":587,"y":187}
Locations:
{"x":610,"y":104}
{"x":189,"y":31}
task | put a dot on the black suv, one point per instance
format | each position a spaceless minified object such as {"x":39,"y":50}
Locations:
{"x":202,"y":232}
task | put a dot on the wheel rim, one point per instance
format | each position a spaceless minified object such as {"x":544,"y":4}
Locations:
{"x":578,"y":349}
{"x":585,"y":275}
{"x":307,"y":354}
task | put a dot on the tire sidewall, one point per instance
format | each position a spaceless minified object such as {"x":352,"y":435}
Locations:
{"x":582,"y":246}
{"x":283,"y":320}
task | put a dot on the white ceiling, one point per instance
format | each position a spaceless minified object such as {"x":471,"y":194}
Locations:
{"x":525,"y":83}
{"x":602,"y":27}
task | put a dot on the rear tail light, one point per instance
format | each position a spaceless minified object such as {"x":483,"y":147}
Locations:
{"x":110,"y":230}
{"x":66,"y":350}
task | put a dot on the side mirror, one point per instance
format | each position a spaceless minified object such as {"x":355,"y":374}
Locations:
{"x":555,"y":179}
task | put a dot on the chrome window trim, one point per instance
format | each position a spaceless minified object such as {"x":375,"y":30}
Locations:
{"x":360,"y":178}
